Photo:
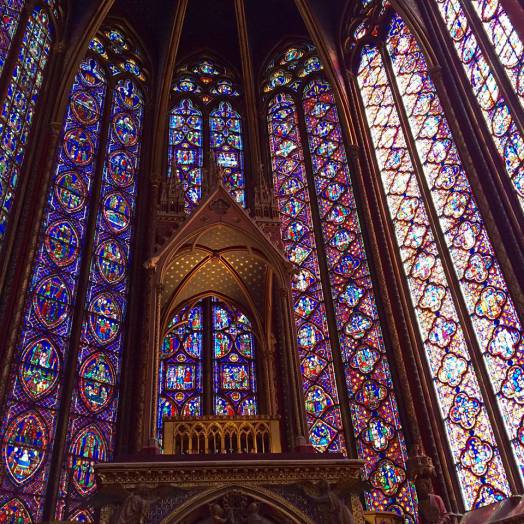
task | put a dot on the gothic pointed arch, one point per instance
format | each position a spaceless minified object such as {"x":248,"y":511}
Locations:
{"x":258,"y":501}
{"x":206,"y":123}
{"x":217,"y":274}
{"x":335,"y":310}
{"x":67,"y":368}
{"x":415,"y":151}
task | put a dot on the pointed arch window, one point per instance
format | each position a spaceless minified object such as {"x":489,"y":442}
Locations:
{"x":180,"y":374}
{"x":186,"y":153}
{"x":10,"y":14}
{"x":95,"y":173}
{"x":459,"y":295}
{"x":335,"y":311}
{"x":226,"y":144}
{"x":492,"y":56}
{"x":204,"y":122}
{"x":20,"y":84}
{"x":210,"y":342}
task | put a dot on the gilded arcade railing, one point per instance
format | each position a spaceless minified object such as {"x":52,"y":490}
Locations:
{"x":221,"y":434}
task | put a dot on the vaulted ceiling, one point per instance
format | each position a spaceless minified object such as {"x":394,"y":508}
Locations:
{"x":211,"y":24}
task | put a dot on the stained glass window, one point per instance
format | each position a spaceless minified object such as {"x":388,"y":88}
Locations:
{"x":226,"y":143}
{"x":234,"y":366}
{"x":504,"y":39}
{"x":180,"y":375}
{"x":92,"y":418}
{"x":489,"y":307}
{"x":19,"y":105}
{"x":185,"y":150}
{"x":38,"y":370}
{"x":372,"y":403}
{"x":93,"y":141}
{"x":490,"y":90}
{"x":315,"y":352}
{"x":10,"y":13}
{"x":203,"y":97}
{"x":188,"y":358}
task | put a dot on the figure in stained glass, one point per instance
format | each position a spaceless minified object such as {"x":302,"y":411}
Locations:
{"x":207,"y":81}
{"x":358,"y":332}
{"x":465,"y":237}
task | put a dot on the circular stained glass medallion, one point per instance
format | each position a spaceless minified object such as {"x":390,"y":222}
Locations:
{"x":88,"y":448}
{"x":24,"y":446}
{"x":85,"y":107}
{"x":128,"y":94}
{"x":97,"y":380}
{"x":126,"y":129}
{"x":104,"y":318}
{"x":61,"y":243}
{"x":78,"y":146}
{"x":40,"y":368}
{"x":117,"y":212}
{"x":111,"y":261}
{"x":70,"y":190}
{"x":51,"y":300}
{"x":121,"y":168}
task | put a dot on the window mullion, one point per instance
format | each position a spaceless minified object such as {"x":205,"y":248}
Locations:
{"x":208,"y":357}
{"x":14,"y":48}
{"x":498,"y":69}
{"x":59,"y":450}
{"x":454,"y":286}
{"x":338,"y":364}
{"x":207,"y":152}
{"x":436,"y":432}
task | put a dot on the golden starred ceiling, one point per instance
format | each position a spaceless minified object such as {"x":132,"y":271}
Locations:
{"x":222,"y":260}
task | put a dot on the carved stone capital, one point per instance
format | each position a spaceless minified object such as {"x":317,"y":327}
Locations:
{"x":151,"y":264}
{"x":419,"y":464}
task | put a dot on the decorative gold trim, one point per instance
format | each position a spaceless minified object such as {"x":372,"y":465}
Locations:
{"x":221,"y":435}
{"x":191,"y":473}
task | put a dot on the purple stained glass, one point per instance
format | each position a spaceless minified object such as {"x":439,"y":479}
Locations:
{"x":10,"y":13}
{"x":507,"y":137}
{"x":464,"y":416}
{"x":212,"y":90}
{"x":226,"y":143}
{"x":234,"y":365}
{"x":493,"y":314}
{"x":36,"y":378}
{"x":93,"y":412}
{"x":19,"y":105}
{"x":504,"y":39}
{"x":373,"y":405}
{"x":185,"y":155}
{"x":315,"y":352}
{"x":180,"y":387}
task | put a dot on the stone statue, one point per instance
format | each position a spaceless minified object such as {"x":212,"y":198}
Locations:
{"x":431,"y":507}
{"x":253,"y":514}
{"x":333,"y":499}
{"x":218,"y":514}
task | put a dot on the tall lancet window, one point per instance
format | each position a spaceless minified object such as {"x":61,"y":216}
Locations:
{"x":334,"y":302}
{"x":207,"y":343}
{"x":492,"y":56}
{"x":180,"y":373}
{"x":467,"y":320}
{"x":10,"y":14}
{"x":205,"y":121}
{"x":67,"y":367}
{"x":22,"y":74}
